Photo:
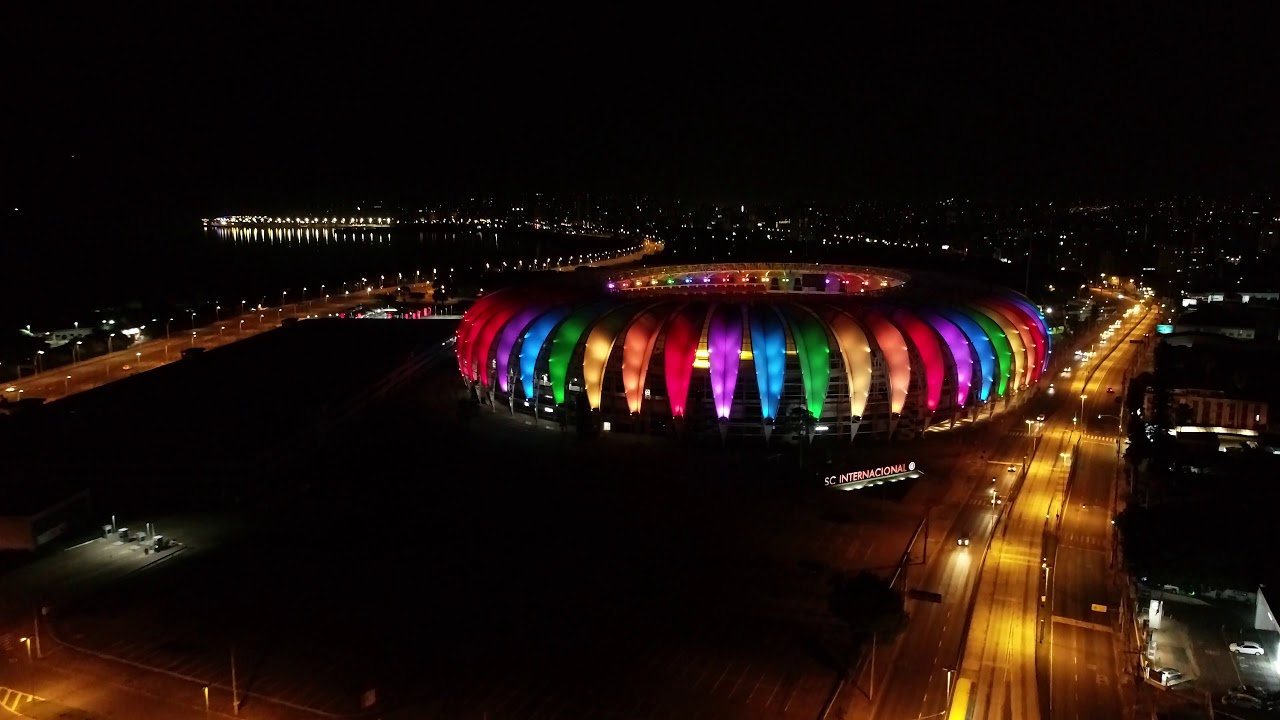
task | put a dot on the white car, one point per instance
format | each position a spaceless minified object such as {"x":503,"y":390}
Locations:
{"x":1247,"y":648}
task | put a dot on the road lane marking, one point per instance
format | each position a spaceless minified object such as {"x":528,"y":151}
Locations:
{"x":1082,"y":624}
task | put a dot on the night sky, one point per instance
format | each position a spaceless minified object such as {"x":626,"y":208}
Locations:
{"x":214,"y":112}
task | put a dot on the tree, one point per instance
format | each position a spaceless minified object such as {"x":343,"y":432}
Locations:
{"x":866,"y":604}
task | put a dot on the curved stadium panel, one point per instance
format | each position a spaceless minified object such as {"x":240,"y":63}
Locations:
{"x":853,"y":349}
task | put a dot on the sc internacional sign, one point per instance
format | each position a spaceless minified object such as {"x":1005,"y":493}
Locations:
{"x":856,"y":479}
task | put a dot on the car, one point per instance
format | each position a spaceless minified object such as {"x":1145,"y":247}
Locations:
{"x":1241,"y":700}
{"x":1252,"y":690}
{"x":1040,"y":418}
{"x":1012,"y":468}
{"x":1111,"y":391}
{"x":963,"y":540}
{"x":1247,"y":648}
{"x":1169,"y":676}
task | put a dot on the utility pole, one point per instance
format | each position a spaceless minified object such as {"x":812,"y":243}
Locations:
{"x":925,"y":559}
{"x":235,"y":695}
{"x":871,"y":690}
{"x":35,"y":632}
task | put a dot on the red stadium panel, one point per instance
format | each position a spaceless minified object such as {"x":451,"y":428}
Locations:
{"x":681,"y":344}
{"x":926,"y":344}
{"x":487,"y":331}
{"x":469,"y":328}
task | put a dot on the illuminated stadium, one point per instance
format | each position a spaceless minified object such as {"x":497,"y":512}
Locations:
{"x":753,"y":350}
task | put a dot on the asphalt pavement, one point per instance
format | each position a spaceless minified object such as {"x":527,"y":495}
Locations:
{"x":60,"y":382}
{"x":1087,"y":676}
{"x":1018,"y":612}
{"x":916,"y":672}
{"x":66,"y":380}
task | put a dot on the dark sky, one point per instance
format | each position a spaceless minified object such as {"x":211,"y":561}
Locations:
{"x":257,"y":108}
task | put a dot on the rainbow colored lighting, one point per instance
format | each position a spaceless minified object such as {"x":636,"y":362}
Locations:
{"x":563,"y":343}
{"x":531,"y":345}
{"x":724,"y":352}
{"x":961,"y":354}
{"x":508,"y":336}
{"x":595,"y":354}
{"x":769,"y":351}
{"x":984,"y":351}
{"x":1000,"y":343}
{"x":795,"y":322}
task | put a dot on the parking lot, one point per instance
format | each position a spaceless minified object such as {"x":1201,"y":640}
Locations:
{"x":1195,"y":638}
{"x":517,"y":571}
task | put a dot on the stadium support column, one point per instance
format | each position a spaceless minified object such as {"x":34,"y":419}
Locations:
{"x":511,"y":393}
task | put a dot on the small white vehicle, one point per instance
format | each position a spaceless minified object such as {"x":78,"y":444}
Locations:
{"x":1247,"y":648}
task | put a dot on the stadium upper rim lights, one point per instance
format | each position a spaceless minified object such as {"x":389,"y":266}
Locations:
{"x":840,"y":343}
{"x":759,"y":278}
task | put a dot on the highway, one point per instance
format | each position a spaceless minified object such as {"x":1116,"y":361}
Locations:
{"x":914,"y":678}
{"x":66,"y":380}
{"x":1085,"y":674}
{"x":1021,"y":607}
{"x":914,"y":671}
{"x":915,"y":674}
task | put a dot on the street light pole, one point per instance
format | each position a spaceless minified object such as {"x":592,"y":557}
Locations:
{"x":235,"y":694}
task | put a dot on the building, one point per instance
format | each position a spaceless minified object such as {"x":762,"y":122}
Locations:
{"x":1233,"y":320}
{"x":1212,"y":408}
{"x":748,"y":349}
{"x":1222,"y":386}
{"x":58,"y":338}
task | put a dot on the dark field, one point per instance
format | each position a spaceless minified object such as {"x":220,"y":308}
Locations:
{"x":490,"y":568}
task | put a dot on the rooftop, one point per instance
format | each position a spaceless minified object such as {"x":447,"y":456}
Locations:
{"x":1238,"y":369}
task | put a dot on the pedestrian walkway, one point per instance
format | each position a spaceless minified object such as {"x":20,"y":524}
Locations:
{"x":1087,"y":437}
{"x":17,"y":702}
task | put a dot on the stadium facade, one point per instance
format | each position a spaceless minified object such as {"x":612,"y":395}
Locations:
{"x":754,"y":349}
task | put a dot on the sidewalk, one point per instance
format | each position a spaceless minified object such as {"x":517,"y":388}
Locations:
{"x":70,"y":670}
{"x":67,"y":686}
